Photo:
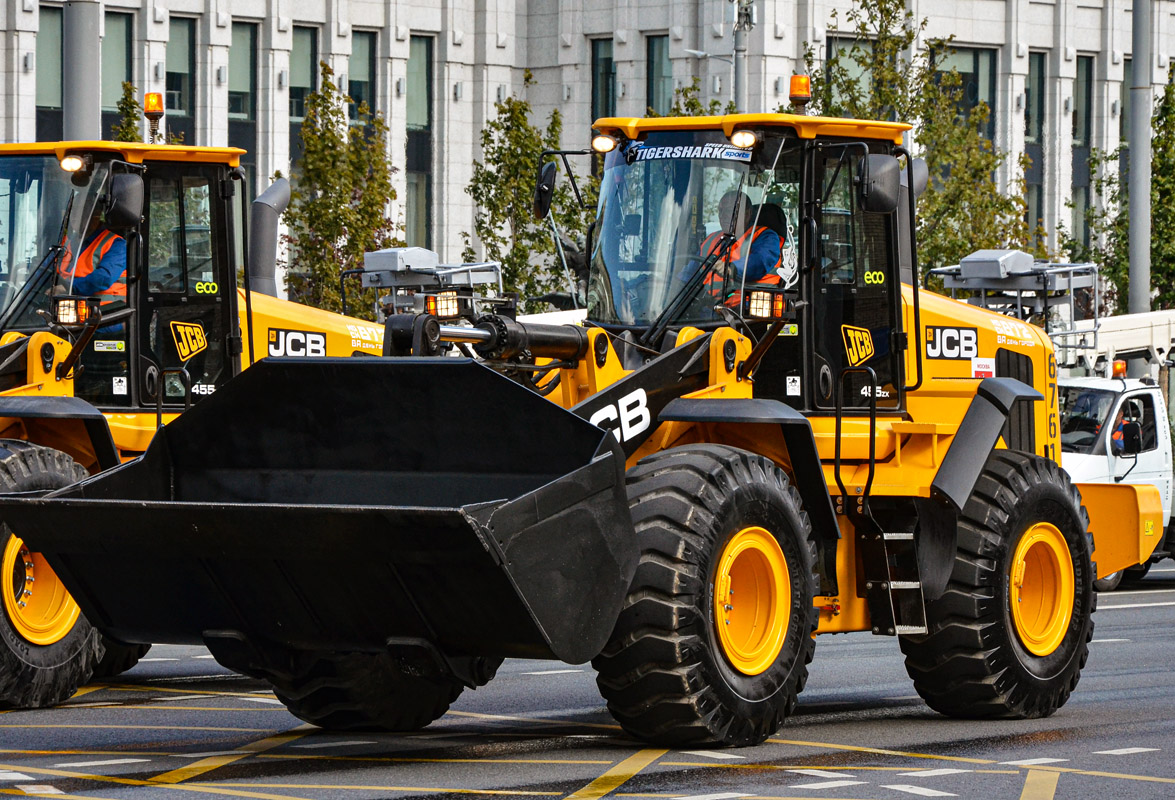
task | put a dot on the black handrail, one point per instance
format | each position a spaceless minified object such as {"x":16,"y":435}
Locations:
{"x":873,"y":390}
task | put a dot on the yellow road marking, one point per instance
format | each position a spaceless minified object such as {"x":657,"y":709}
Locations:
{"x":85,"y":690}
{"x":171,"y":690}
{"x":1095,"y":774}
{"x":55,"y":795}
{"x":161,"y":707}
{"x":60,"y":773}
{"x":754,"y":765}
{"x":215,"y":762}
{"x":617,"y":775}
{"x":149,"y":728}
{"x":409,"y":760}
{"x":536,"y":720}
{"x":376,"y":788}
{"x":880,"y":751}
{"x":1040,"y":785}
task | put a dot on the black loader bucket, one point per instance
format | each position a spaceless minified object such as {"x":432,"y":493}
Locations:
{"x":342,"y":504}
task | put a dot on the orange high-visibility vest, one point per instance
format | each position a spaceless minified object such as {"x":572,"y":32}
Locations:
{"x":714,"y":280}
{"x":89,"y":260}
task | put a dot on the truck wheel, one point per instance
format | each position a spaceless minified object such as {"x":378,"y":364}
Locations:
{"x":47,"y":648}
{"x":1110,"y":582}
{"x":713,"y":643}
{"x":1011,"y":634}
{"x":118,"y":658}
{"x":361,"y":691}
{"x":1136,"y":573}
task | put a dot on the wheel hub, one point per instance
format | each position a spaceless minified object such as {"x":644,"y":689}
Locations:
{"x":752,"y":600}
{"x":35,"y":600}
{"x":1041,"y":588}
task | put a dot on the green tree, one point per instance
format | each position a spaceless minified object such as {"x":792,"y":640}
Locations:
{"x":687,"y":102}
{"x":502,"y":189}
{"x":341,"y":189}
{"x":885,"y":70}
{"x":129,"y":112}
{"x":1109,"y":213}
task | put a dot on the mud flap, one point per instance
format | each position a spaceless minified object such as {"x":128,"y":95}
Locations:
{"x":340,"y":504}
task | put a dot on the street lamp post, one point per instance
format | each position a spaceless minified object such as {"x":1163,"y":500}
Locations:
{"x":744,"y":21}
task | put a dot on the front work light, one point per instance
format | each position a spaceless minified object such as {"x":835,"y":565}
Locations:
{"x":73,"y":310}
{"x":603,"y":143}
{"x":443,"y":306}
{"x":744,"y":139}
{"x":767,"y":304}
{"x":72,"y":163}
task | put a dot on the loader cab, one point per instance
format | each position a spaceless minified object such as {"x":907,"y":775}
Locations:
{"x":172,"y":309}
{"x":659,"y":218}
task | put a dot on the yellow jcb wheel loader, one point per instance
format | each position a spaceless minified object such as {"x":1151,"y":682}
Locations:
{"x":81,"y":372}
{"x":762,"y":431}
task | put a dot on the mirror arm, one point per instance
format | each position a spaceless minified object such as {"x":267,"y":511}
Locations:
{"x":567,"y":168}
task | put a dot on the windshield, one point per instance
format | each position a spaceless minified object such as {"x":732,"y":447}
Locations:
{"x":665,"y":204}
{"x":44,"y":212}
{"x":1083,"y":414}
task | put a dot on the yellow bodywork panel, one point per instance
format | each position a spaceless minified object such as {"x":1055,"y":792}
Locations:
{"x":1126,"y":521}
{"x":283,"y":328}
{"x":804,"y":126}
{"x":132,"y":152}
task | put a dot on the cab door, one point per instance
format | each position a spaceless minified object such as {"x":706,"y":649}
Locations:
{"x":188,"y":334}
{"x":854,"y":289}
{"x":1152,"y":464}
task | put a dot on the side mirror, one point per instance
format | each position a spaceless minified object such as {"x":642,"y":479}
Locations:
{"x":921,"y":176}
{"x":124,"y":207}
{"x":1131,"y":439}
{"x":880,"y":183}
{"x":544,"y":189}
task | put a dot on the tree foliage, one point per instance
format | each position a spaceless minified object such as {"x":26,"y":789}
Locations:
{"x":1109,"y":213}
{"x":129,"y":112}
{"x":687,"y":102}
{"x":341,"y":189}
{"x":502,"y":189}
{"x":885,"y":69}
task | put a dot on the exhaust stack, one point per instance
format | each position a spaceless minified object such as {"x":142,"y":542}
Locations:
{"x":267,"y":211}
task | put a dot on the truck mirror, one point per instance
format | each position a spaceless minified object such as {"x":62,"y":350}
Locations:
{"x":544,"y":189}
{"x":1131,"y":438}
{"x":124,"y":206}
{"x":880,"y":183}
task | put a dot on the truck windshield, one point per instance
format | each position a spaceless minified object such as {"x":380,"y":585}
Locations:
{"x":665,"y":203}
{"x":44,"y":212}
{"x":1083,"y":414}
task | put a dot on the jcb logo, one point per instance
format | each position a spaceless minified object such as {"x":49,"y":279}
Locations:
{"x":189,"y":338}
{"x":875,"y":278}
{"x":858,"y":344}
{"x":630,"y":411}
{"x":296,"y":343}
{"x":951,"y":343}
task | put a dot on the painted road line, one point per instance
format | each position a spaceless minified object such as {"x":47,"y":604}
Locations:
{"x":209,"y":656}
{"x":881,"y":751}
{"x":711,"y":754}
{"x":1106,"y":641}
{"x":552,"y":672}
{"x":209,"y":754}
{"x":1040,"y":785}
{"x":214,"y":787}
{"x":1125,"y":751}
{"x":121,"y":781}
{"x":826,"y":784}
{"x":14,"y":776}
{"x":933,"y":773}
{"x":535,"y":720}
{"x":95,"y":704}
{"x":718,"y":796}
{"x":215,"y":762}
{"x":170,"y":699}
{"x":40,"y":788}
{"x":145,"y":660}
{"x":921,"y":791}
{"x":144,"y":728}
{"x":617,"y":775}
{"x":409,"y":760}
{"x":1034,"y":762}
{"x":270,"y":700}
{"x":1102,"y":607}
{"x":104,"y":762}
{"x":351,"y":743}
{"x":1134,"y":592}
{"x":820,"y":773}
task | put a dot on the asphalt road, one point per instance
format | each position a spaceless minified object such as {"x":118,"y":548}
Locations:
{"x":180,"y":724}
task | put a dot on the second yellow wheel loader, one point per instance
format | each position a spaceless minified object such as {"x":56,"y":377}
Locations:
{"x":736,"y":451}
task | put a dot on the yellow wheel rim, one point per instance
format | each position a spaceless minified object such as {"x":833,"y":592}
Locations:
{"x":35,"y":600}
{"x":752,"y":600}
{"x":1041,"y":588}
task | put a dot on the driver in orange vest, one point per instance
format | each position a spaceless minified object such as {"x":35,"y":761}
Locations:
{"x":763,"y":253}
{"x":100,"y":271}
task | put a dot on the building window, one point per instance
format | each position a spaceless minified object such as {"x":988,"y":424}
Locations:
{"x":242,"y":99}
{"x":854,"y":72}
{"x":181,"y":78}
{"x":49,"y":75}
{"x":1082,"y":126}
{"x":1034,"y":114}
{"x":1123,"y":101}
{"x":303,"y":80}
{"x":361,"y":72}
{"x":659,"y":77}
{"x":603,"y":80}
{"x":976,"y":70}
{"x":116,"y":66}
{"x":418,"y":120}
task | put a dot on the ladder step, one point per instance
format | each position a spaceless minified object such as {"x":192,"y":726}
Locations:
{"x":905,"y":584}
{"x":897,"y":537}
{"x":909,"y":629}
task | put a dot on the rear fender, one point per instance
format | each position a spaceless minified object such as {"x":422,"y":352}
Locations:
{"x":68,"y":424}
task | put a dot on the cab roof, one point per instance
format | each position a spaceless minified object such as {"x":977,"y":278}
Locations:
{"x":804,"y":126}
{"x":132,"y":152}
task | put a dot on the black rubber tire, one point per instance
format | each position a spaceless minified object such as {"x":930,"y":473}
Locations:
{"x":663,"y":672}
{"x":118,"y":657}
{"x":361,"y":692}
{"x":1110,"y":582}
{"x":31,"y":675}
{"x":1137,"y":573}
{"x":972,"y":663}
